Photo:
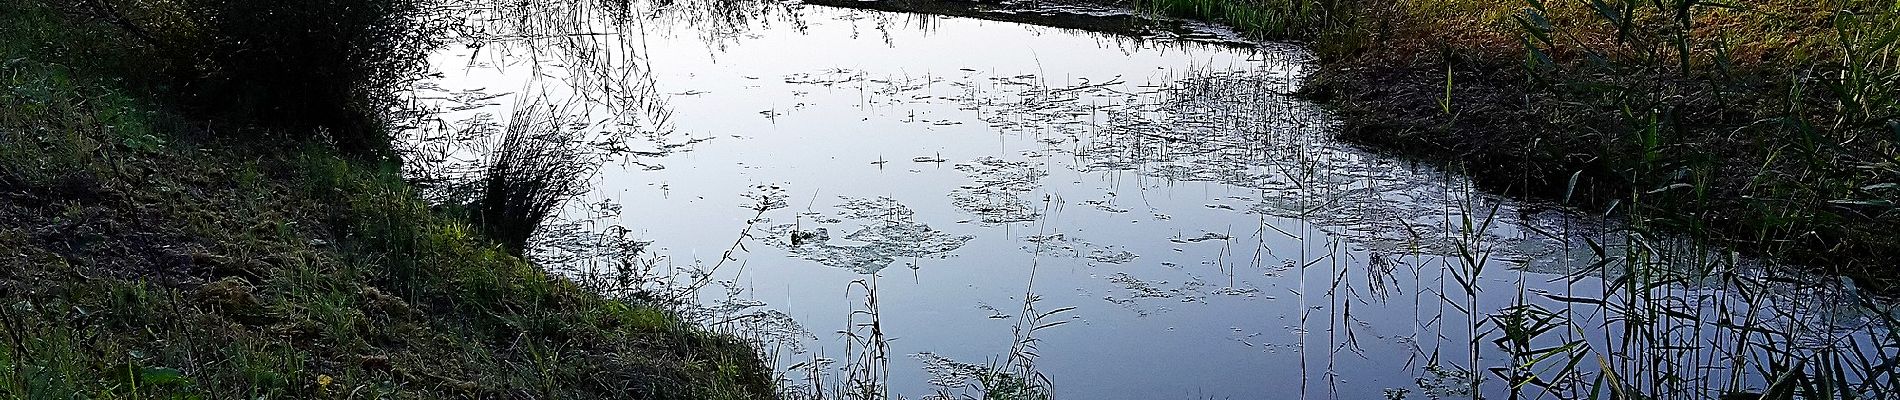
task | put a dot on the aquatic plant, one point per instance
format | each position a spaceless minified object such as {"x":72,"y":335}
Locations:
{"x":1768,"y":125}
{"x":1292,"y":19}
{"x":538,"y":165}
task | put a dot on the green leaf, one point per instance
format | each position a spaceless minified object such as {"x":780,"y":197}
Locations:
{"x":1535,"y":24}
{"x":161,"y":376}
{"x":1571,"y":188}
{"x":143,"y":142}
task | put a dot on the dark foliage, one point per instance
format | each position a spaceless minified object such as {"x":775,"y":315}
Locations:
{"x":539,"y":164}
{"x":300,"y":64}
{"x":324,"y":68}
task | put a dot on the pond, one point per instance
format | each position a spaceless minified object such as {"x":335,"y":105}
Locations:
{"x":908,"y":201}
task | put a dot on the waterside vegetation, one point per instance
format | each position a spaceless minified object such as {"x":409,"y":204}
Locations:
{"x":1769,"y":126}
{"x":198,"y":200}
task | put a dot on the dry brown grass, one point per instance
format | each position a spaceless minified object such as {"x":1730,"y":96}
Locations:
{"x":1766,"y":34}
{"x":1780,"y":114}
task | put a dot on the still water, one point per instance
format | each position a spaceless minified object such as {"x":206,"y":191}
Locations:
{"x":1181,"y":224}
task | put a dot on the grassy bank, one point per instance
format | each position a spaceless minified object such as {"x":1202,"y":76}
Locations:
{"x":176,"y":226}
{"x":1768,"y":125}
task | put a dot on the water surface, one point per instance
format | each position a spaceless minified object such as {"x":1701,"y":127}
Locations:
{"x":1212,"y":239}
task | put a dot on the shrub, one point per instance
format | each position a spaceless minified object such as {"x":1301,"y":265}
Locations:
{"x":333,"y":65}
{"x":324,"y":68}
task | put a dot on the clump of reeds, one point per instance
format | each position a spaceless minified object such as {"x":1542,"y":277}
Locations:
{"x":540,"y":162}
{"x":1273,"y":19}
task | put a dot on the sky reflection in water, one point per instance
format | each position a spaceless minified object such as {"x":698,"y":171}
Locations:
{"x":1215,"y":241}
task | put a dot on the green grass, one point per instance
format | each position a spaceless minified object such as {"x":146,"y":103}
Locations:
{"x":1766,"y":127}
{"x":150,"y":253}
{"x":1769,"y":126}
{"x":1289,"y":19}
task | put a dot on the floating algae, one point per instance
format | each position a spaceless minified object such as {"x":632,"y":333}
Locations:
{"x":889,"y":231}
{"x":996,"y":194}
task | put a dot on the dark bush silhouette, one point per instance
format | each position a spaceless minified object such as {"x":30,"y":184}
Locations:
{"x":323,"y":69}
{"x":329,"y":65}
{"x":540,"y":163}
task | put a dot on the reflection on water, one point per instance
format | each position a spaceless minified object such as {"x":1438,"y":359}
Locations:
{"x":1170,"y":220}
